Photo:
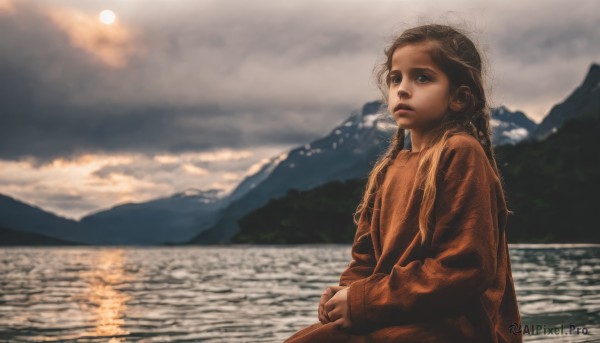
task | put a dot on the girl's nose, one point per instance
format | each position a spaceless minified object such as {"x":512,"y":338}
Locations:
{"x":402,"y":93}
{"x":403,"y":89}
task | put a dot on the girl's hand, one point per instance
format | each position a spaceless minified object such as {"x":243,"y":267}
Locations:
{"x":327,"y":294}
{"x":336,"y":308}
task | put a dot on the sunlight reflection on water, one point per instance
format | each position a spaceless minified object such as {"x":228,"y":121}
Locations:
{"x":237,"y":293}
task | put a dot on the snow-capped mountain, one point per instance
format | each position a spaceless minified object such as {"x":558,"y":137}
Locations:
{"x":347,"y":152}
{"x":255,"y":179}
{"x":585,"y":99}
{"x":510,"y":127}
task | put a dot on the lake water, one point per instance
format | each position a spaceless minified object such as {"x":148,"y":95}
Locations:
{"x":241,"y":293}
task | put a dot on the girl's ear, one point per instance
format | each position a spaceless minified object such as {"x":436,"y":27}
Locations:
{"x":459,"y":98}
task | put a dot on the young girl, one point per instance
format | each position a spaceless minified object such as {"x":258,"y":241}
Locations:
{"x":430,"y":260}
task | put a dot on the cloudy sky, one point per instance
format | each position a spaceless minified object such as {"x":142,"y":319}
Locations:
{"x":174,"y":95}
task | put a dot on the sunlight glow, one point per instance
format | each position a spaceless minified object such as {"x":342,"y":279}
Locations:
{"x":74,"y":186}
{"x":102,"y":36}
{"x":107,"y":17}
{"x":7,"y":7}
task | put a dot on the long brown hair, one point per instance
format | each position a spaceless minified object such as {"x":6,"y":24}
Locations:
{"x":457,"y":56}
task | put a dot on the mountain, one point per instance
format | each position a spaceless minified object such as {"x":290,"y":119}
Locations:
{"x":253,"y":180}
{"x":551,"y":184}
{"x":510,"y":127}
{"x":584,"y":99}
{"x":319,"y":215}
{"x":10,"y":237}
{"x":165,"y":220}
{"x":161,"y":221}
{"x":347,"y":152}
{"x":22,"y":217}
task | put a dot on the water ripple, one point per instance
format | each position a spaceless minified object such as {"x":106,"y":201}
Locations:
{"x":236,"y":294}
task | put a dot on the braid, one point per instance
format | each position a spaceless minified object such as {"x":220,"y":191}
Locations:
{"x":481,"y":126}
{"x":390,"y":156}
{"x":376,"y":176}
{"x":397,"y":143}
{"x":474,"y":119}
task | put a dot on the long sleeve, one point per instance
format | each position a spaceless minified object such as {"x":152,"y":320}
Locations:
{"x":363,"y":256}
{"x":461,"y":260}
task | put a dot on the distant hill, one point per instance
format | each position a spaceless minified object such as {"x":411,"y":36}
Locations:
{"x":10,"y":237}
{"x":19,"y":216}
{"x":173,"y":219}
{"x":322,"y":215}
{"x":551,"y":186}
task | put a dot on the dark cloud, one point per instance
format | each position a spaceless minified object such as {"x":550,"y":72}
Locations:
{"x":56,"y":102}
{"x":250,"y":74}
{"x":51,"y":132}
{"x":550,"y":34}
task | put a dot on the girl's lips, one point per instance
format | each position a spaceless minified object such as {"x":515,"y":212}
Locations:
{"x":402,"y":111}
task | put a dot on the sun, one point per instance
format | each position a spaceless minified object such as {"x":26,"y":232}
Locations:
{"x":107,"y":17}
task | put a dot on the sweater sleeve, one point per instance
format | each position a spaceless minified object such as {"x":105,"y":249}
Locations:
{"x":460,"y":262}
{"x":363,"y":256}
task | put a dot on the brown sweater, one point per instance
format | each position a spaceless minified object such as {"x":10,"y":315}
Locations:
{"x":459,"y":287}
{"x":463,"y":278}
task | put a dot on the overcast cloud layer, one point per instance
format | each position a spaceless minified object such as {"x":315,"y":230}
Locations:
{"x":193,"y":78}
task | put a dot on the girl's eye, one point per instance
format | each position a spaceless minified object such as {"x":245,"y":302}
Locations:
{"x":394,"y":79}
{"x":426,"y":78}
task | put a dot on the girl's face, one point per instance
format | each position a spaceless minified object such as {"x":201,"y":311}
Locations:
{"x":416,"y":82}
